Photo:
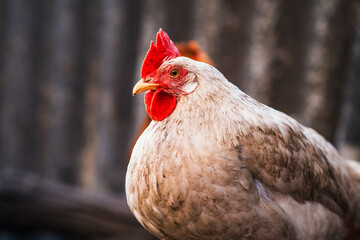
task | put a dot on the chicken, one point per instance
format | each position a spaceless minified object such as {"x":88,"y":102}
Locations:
{"x":216,"y":164}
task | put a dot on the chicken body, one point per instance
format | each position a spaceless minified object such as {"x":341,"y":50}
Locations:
{"x":224,"y":166}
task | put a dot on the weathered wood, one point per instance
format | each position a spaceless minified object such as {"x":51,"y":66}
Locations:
{"x":222,"y":29}
{"x":330,"y":37}
{"x":114,"y":117}
{"x":288,"y":62}
{"x":19,"y":93}
{"x":348,"y":135}
{"x":31,"y":201}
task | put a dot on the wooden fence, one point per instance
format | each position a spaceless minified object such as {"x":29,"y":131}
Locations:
{"x":67,"y":117}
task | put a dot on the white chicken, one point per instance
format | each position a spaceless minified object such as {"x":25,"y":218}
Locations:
{"x":216,"y":164}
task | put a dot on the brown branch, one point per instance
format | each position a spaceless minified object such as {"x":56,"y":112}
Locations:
{"x":32,"y":202}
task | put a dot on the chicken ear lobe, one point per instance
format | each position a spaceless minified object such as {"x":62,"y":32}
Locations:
{"x":190,"y":87}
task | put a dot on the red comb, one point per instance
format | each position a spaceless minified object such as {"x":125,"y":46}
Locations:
{"x":164,"y":49}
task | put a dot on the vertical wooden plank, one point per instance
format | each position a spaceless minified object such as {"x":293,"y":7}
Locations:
{"x":38,"y":80}
{"x":65,"y":92}
{"x":222,"y":29}
{"x":288,"y":62}
{"x":234,"y":39}
{"x":327,"y":56}
{"x":348,"y":134}
{"x":18,"y":145}
{"x":3,"y":31}
{"x":117,"y":58}
{"x":179,"y":19}
{"x":208,"y":15}
{"x":124,"y":76}
{"x":91,"y":74}
{"x":258,"y":72}
{"x":112,"y":17}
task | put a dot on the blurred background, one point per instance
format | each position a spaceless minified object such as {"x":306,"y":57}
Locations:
{"x":68,"y":120}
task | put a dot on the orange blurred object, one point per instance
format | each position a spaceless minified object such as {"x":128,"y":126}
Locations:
{"x":192,"y":50}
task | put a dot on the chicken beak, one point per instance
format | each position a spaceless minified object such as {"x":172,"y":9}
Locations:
{"x":142,"y":86}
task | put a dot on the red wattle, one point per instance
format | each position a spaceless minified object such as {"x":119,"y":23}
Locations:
{"x":159,"y":104}
{"x":148,"y":99}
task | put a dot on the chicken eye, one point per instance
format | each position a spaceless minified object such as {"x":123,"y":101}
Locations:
{"x":174,"y":73}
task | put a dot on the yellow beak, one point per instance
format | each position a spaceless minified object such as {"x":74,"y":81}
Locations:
{"x":142,"y":86}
